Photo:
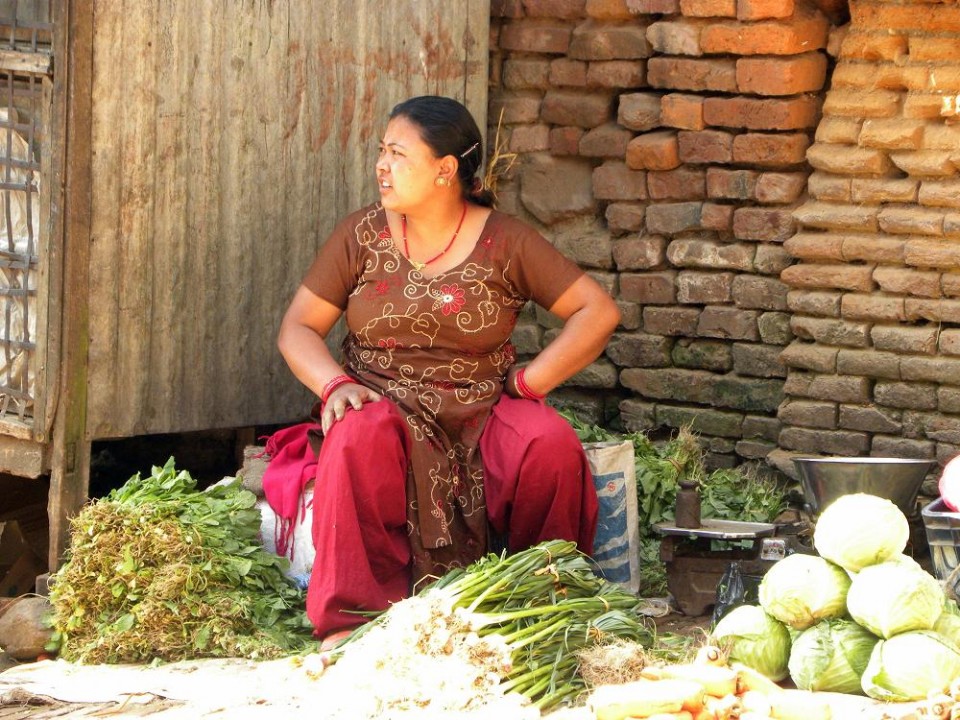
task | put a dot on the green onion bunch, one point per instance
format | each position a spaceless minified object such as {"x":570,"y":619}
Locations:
{"x":548,"y":604}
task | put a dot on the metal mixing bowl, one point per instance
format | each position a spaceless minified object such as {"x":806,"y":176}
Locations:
{"x":824,"y":479}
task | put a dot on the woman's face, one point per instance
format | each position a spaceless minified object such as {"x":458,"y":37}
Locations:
{"x":406,"y":167}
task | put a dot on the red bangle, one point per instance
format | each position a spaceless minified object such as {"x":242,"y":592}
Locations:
{"x":333,"y":384}
{"x":523,"y":389}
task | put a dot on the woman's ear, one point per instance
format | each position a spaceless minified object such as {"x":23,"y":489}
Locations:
{"x":448,"y":168}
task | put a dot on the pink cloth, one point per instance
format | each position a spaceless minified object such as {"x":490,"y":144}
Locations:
{"x":292,"y":466}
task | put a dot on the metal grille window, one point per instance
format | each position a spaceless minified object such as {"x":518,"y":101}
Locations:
{"x":25,"y":61}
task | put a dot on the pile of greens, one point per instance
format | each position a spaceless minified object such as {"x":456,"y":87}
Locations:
{"x":160,"y":570}
{"x":725,"y":494}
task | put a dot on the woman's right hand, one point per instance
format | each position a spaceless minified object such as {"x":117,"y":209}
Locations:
{"x":347,"y":396}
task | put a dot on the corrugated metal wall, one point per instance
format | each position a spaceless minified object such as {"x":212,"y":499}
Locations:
{"x":228,"y":137}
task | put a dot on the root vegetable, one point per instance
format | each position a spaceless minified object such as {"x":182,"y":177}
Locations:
{"x":645,"y":698}
{"x":716,"y":681}
{"x":728,"y":707}
{"x":800,"y":705}
{"x":750,"y":679}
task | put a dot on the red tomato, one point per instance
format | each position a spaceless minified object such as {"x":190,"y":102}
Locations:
{"x":950,"y":484}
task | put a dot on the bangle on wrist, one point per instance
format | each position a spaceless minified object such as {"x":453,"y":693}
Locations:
{"x":523,"y":390}
{"x":333,"y":384}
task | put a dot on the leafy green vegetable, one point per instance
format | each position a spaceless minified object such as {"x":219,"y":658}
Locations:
{"x":859,"y":529}
{"x":894,"y":597}
{"x":801,"y":590}
{"x":159,"y":569}
{"x":755,"y":639}
{"x":911,"y":666}
{"x":831,"y":656}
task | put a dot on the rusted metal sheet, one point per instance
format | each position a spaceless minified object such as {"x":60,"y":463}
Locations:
{"x":227,"y":139}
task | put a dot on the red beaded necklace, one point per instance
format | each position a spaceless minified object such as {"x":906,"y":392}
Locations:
{"x":419,"y":266}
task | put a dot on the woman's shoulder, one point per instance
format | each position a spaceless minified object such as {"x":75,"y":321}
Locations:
{"x":509,"y":227}
{"x":370,"y":216}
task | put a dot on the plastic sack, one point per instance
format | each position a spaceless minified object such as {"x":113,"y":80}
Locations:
{"x":616,"y":545}
{"x":735,"y":588}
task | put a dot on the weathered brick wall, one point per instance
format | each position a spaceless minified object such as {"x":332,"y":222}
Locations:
{"x":875,"y":295}
{"x":661,"y":143}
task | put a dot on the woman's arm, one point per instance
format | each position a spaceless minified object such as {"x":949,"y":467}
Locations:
{"x":590,"y":316}
{"x":306,"y":323}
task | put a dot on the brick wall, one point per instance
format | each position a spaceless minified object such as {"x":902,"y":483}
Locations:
{"x":874,"y":297}
{"x":661,"y":143}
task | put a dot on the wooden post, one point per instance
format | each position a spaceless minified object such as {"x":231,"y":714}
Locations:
{"x":71,"y":209}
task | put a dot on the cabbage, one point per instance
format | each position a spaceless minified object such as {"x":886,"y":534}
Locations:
{"x":801,"y":590}
{"x":895,"y":597}
{"x":858,"y":530}
{"x":910,"y":666}
{"x":831,"y":656}
{"x":948,"y":624}
{"x":755,"y":639}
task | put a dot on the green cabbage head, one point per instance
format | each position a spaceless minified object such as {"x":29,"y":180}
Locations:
{"x":895,"y":597}
{"x":755,"y":639}
{"x":858,"y":530}
{"x":801,"y":590}
{"x":831,"y":656}
{"x":910,"y":666}
{"x":948,"y":624}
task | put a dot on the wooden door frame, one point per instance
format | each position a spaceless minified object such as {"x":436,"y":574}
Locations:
{"x":71,"y":210}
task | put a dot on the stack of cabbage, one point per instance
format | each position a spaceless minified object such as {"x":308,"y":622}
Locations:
{"x":860,"y":618}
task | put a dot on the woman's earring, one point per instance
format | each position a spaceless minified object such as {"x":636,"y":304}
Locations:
{"x":440,"y":181}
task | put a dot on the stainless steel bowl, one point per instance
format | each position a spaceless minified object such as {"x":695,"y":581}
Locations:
{"x":898,"y":479}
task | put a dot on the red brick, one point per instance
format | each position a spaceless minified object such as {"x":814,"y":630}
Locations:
{"x":941,"y":137}
{"x":619,"y":74}
{"x":862,"y":103}
{"x":841,"y":277}
{"x":839,"y":130}
{"x":615,"y":181}
{"x":718,"y":75}
{"x":902,"y":281}
{"x":847,"y":159}
{"x":608,"y":10}
{"x":702,"y":253}
{"x":703,"y":288}
{"x":570,"y":73}
{"x":681,"y":184}
{"x":927,"y":252}
{"x":836,"y":216}
{"x":606,"y":141}
{"x":782,"y":75}
{"x":816,"y":247}
{"x":940,"y":193}
{"x":675,"y":37}
{"x":569,"y":107}
{"x":709,"y":8}
{"x":565,"y":140}
{"x":910,"y":220}
{"x":673,"y":218}
{"x":593,"y":40}
{"x":932,"y":49}
{"x":913,"y":17}
{"x":639,"y":111}
{"x":805,"y":32}
{"x":705,"y":146}
{"x":762,"y":114}
{"x":726,"y":184}
{"x":517,"y":107}
{"x":526,"y":73}
{"x":780,"y":188}
{"x":564,"y":9}
{"x":924,"y":163}
{"x":885,"y":76}
{"x":535,"y":36}
{"x":920,"y":106}
{"x":529,"y":138}
{"x":873,"y":248}
{"x":682,"y":111}
{"x":653,"y":7}
{"x":892,"y":134}
{"x":653,"y":151}
{"x":624,"y":217}
{"x":652,"y":288}
{"x":717,"y":217}
{"x":506,"y":8}
{"x":822,"y":186}
{"x":870,"y":46}
{"x":764,"y":9}
{"x":770,"y":150}
{"x":671,"y":321}
{"x":875,"y":191}
{"x":763,"y":224}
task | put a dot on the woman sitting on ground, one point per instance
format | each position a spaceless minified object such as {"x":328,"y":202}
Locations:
{"x":431,"y":432}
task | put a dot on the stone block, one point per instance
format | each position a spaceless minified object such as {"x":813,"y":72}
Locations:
{"x":874,"y":308}
{"x":552,"y":189}
{"x":650,"y":288}
{"x":870,"y":418}
{"x":638,"y":416}
{"x":639,"y":111}
{"x":774,"y":328}
{"x":673,"y":218}
{"x":816,"y":303}
{"x":539,"y":36}
{"x":911,"y":396}
{"x":692,"y":252}
{"x":728,"y":323}
{"x":703,"y":288}
{"x":725,"y":184}
{"x":617,"y":74}
{"x":710,"y":355}
{"x":599,"y":40}
{"x":829,"y":331}
{"x":625,"y":217}
{"x":760,"y":427}
{"x":576,"y":108}
{"x":810,"y":356}
{"x":825,"y":442}
{"x":763,"y":224}
{"x":904,"y":281}
{"x":843,"y":277}
{"x":606,"y":141}
{"x":869,"y":363}
{"x":809,"y":413}
{"x":754,"y":292}
{"x":777,"y":188}
{"x":684,"y":183}
{"x":692,"y":74}
{"x":671,"y":321}
{"x":675,"y":37}
{"x":758,"y":360}
{"x":638,"y":349}
{"x":720,"y":423}
{"x":702,"y":147}
{"x":615,"y":181}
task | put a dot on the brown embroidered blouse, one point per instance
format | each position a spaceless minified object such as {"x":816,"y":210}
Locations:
{"x":440,"y":349}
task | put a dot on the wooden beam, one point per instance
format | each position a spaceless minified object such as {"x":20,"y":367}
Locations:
{"x":71,"y":182}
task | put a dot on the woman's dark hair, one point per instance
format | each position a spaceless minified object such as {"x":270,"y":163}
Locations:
{"x":448,"y":128}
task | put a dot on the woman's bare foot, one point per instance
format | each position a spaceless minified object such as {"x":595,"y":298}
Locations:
{"x":334,"y":639}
